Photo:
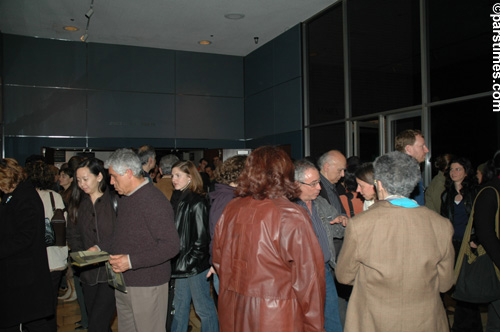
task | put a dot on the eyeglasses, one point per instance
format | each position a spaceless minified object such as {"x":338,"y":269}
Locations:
{"x":312,"y":184}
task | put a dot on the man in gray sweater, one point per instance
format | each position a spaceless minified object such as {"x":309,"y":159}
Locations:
{"x":144,"y":241}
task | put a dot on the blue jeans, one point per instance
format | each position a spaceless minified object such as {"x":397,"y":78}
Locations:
{"x":332,"y":317}
{"x":198,"y":288}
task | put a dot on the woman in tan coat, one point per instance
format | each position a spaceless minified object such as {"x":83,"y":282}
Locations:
{"x":398,"y":255}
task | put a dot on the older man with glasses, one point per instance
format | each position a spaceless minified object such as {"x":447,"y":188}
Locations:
{"x":327,"y":226}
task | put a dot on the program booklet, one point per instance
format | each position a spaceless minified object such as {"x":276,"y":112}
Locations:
{"x":115,"y":280}
{"x":84,"y":258}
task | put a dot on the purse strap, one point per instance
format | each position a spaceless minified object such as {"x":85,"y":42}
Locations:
{"x":52,"y":201}
{"x":465,"y":249}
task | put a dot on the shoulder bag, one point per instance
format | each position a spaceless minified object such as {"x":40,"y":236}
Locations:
{"x":477,"y":277}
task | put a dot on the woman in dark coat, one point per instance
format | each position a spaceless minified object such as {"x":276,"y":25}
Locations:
{"x":92,"y":218}
{"x":25,"y":284}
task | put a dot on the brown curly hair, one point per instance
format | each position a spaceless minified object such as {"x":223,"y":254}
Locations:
{"x":40,"y":174}
{"x":230,"y":170}
{"x":268,"y":173}
{"x":11,"y":174}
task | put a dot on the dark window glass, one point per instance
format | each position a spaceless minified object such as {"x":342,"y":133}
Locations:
{"x":385,"y":63}
{"x":326,"y":67}
{"x":326,"y":138}
{"x":467,"y":129}
{"x":459,"y":48}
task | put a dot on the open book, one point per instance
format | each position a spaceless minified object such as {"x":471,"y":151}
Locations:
{"x":85,"y":258}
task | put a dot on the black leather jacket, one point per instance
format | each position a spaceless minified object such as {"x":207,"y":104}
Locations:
{"x":191,"y":221}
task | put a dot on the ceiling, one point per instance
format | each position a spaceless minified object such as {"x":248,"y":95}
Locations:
{"x":167,"y":24}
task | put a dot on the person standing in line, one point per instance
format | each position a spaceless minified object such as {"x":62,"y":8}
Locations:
{"x":191,"y":266}
{"x":267,"y":256}
{"x":398,"y":256}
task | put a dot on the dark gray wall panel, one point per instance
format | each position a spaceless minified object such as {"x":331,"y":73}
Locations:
{"x":259,"y":115}
{"x":259,"y":70}
{"x":287,"y":56}
{"x":209,"y":144}
{"x":44,"y":111}
{"x":209,"y":117}
{"x":127,"y":114}
{"x":43,"y":62}
{"x":114,"y":143}
{"x":127,"y":68}
{"x":209,"y":74}
{"x":288,"y":106}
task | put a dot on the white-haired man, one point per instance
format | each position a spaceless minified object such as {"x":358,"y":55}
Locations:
{"x":144,"y":241}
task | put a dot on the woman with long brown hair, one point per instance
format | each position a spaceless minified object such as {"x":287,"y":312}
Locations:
{"x":190,"y":267}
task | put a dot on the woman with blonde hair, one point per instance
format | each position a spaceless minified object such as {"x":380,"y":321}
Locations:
{"x":190,"y":267}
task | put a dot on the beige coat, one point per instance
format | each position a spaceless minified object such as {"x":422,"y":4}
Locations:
{"x":398,"y":260}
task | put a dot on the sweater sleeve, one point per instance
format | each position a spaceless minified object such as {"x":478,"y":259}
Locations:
{"x":484,"y":222}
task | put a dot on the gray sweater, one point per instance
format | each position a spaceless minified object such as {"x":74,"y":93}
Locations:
{"x":145,"y":231}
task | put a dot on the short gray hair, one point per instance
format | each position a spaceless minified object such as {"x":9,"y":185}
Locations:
{"x":398,"y":172}
{"x":166,"y":163}
{"x":144,"y":153}
{"x":300,"y":168}
{"x":123,"y":159}
{"x":324,"y":158}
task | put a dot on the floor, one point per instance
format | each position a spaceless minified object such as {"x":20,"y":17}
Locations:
{"x":69,"y":312}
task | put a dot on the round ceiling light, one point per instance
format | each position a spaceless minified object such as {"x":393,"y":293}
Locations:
{"x":70,"y":28}
{"x":204,"y":42}
{"x":234,"y":16}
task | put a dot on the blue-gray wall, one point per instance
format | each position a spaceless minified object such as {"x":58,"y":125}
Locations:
{"x":273,"y":93}
{"x":71,"y":94}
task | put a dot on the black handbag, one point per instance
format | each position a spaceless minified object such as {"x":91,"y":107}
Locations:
{"x":58,"y":223}
{"x":477,"y":277}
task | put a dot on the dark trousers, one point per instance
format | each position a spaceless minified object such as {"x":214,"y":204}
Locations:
{"x":467,"y":318}
{"x":101,"y":306}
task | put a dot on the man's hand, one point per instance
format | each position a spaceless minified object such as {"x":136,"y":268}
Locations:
{"x":94,"y":248}
{"x":211,"y":271}
{"x":340,"y":219}
{"x":119,"y":263}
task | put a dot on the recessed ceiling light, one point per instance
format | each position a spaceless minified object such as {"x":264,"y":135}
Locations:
{"x":234,"y":16}
{"x":204,"y":42}
{"x":70,"y":28}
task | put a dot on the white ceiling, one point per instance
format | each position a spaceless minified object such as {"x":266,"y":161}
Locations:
{"x":168,"y":24}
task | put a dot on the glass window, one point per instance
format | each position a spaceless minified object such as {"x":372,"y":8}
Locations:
{"x":467,"y":129}
{"x":384,"y":41}
{"x":326,"y":138}
{"x":459,"y":48}
{"x":326,"y":67}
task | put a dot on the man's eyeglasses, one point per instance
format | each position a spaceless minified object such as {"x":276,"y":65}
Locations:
{"x":312,"y":184}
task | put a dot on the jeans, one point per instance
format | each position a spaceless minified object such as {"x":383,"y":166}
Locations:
{"x":197,"y":288}
{"x":332,"y":317}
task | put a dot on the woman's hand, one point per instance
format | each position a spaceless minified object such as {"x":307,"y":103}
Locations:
{"x":211,"y":271}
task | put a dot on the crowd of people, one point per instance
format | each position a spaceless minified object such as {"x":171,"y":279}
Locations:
{"x":329,"y":245}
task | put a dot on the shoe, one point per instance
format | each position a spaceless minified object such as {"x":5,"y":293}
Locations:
{"x":78,"y":323}
{"x":78,"y":328}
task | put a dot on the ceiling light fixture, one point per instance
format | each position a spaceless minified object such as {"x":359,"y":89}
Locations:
{"x":84,"y":37}
{"x":204,"y":42}
{"x":234,"y":16}
{"x":70,"y":28}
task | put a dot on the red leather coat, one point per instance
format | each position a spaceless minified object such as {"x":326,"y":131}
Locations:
{"x":270,"y":266}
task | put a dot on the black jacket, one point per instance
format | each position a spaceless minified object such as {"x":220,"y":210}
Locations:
{"x":25,"y":282}
{"x":448,"y":202}
{"x":191,"y":221}
{"x":95,"y":223}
